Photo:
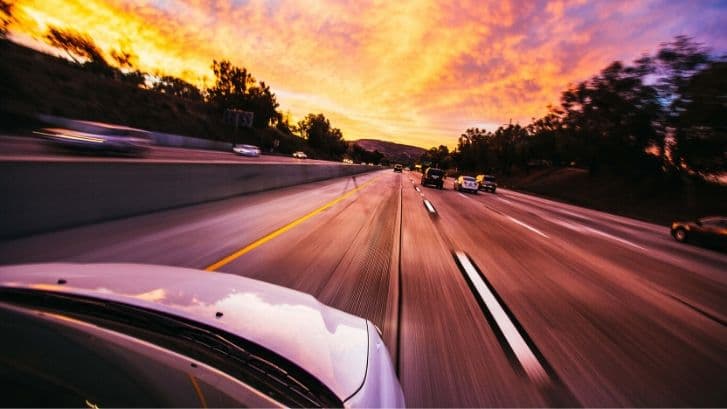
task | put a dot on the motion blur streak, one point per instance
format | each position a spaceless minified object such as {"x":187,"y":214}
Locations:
{"x":518,"y":345}
{"x":527,"y":226}
{"x":415,"y":71}
{"x":259,"y":242}
{"x":198,"y":391}
{"x":618,"y":326}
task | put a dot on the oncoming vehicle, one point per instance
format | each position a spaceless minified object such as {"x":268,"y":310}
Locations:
{"x":434,"y":177}
{"x":707,"y":230}
{"x":133,"y":335}
{"x":103,"y":139}
{"x":300,"y":155}
{"x":398,"y":168}
{"x":246,"y":150}
{"x":487,"y":182}
{"x":467,"y":184}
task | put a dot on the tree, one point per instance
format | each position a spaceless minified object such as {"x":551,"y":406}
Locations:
{"x":235,"y":88}
{"x":438,"y":157}
{"x":702,"y":123}
{"x":546,"y":138}
{"x":6,"y":17}
{"x":80,"y":48}
{"x":124,"y":58}
{"x":179,"y":88}
{"x":612,"y":115}
{"x":264,"y":104}
{"x":474,"y":150}
{"x":231,"y":85}
{"x":359,"y":154}
{"x":316,"y":129}
{"x":675,"y":64}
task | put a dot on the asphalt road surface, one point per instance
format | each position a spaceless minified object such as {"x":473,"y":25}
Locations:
{"x":485,"y":300}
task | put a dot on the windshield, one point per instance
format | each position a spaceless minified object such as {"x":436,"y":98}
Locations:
{"x":469,"y":178}
{"x":490,"y":178}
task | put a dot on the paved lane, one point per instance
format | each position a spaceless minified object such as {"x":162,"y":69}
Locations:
{"x":620,"y":326}
{"x":615,"y":312}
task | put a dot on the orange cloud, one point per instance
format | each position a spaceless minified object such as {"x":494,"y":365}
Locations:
{"x":417,"y":72}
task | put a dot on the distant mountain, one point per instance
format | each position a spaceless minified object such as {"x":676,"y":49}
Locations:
{"x":395,"y":152}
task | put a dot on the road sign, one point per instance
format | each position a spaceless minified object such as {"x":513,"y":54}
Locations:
{"x":238,"y":118}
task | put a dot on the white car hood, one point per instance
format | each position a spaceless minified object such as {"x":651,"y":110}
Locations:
{"x":330,"y":344}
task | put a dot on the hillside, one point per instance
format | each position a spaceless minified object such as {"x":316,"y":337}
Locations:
{"x":395,"y":152}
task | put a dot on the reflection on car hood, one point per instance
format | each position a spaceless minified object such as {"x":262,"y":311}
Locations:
{"x":330,"y":344}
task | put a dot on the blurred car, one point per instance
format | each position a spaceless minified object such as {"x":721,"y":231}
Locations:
{"x":348,"y":161}
{"x":104,"y":139}
{"x":246,"y":150}
{"x":398,"y":168}
{"x":132,"y":335}
{"x":466,"y":184}
{"x":434,"y":177}
{"x":707,"y":230}
{"x":487,"y":182}
{"x":300,"y":155}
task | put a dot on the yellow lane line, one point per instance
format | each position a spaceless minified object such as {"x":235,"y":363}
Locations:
{"x":259,"y":242}
{"x":198,"y":391}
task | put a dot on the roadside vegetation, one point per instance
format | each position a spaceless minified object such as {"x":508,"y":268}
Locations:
{"x":648,"y":139}
{"x":106,"y":85}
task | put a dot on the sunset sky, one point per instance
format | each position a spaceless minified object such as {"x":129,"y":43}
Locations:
{"x":416,"y":72}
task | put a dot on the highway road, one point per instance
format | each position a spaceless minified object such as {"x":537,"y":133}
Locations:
{"x":503,"y":299}
{"x":31,"y":148}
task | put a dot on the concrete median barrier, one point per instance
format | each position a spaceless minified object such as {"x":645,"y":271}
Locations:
{"x":43,"y":196}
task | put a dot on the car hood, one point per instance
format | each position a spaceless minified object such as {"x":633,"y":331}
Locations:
{"x":330,"y":344}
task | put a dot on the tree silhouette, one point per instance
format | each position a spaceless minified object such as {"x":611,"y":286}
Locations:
{"x":316,"y":129}
{"x":179,"y":88}
{"x":676,"y":63}
{"x":613,"y":114}
{"x":124,"y":58}
{"x":235,"y":88}
{"x":672,"y":103}
{"x":702,"y":123}
{"x":79,"y":47}
{"x":231,"y":85}
{"x":438,"y":157}
{"x":6,"y":17}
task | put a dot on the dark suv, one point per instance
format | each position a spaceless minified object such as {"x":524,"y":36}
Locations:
{"x":433,"y":176}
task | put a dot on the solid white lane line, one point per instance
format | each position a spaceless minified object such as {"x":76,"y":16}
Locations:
{"x":504,"y":200}
{"x":586,"y":213}
{"x":417,"y":188}
{"x":581,"y":228}
{"x":527,"y":226}
{"x":525,"y":356}
{"x":462,"y":194}
{"x":429,"y":206}
{"x":612,"y":237}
